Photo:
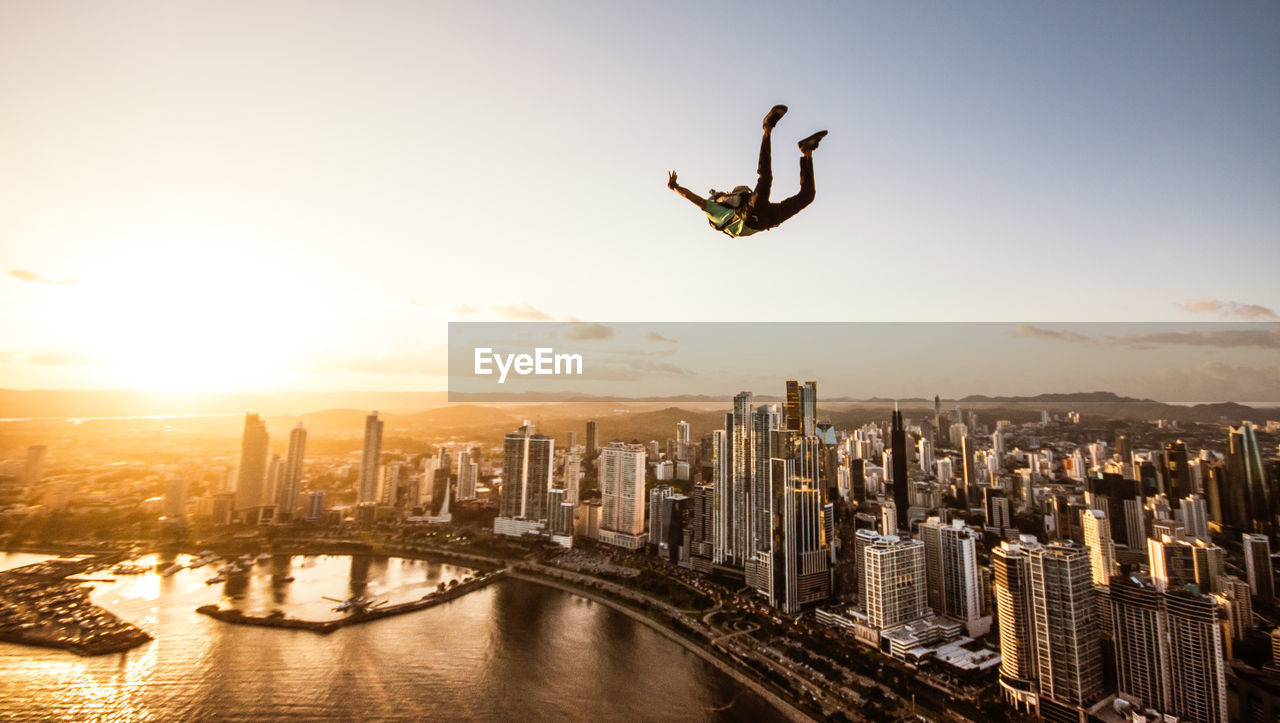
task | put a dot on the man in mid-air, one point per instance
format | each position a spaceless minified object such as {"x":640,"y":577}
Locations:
{"x":743,"y":211}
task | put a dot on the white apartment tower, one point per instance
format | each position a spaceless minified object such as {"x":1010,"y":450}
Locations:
{"x":622,"y":495}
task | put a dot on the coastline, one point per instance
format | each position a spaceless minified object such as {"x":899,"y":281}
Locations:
{"x":784,"y":707}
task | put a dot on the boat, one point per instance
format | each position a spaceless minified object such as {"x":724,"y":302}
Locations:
{"x":171,"y":569}
{"x":264,"y":557}
{"x":286,"y":578}
{"x":215,"y":580}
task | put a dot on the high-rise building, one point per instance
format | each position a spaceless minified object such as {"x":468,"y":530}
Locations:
{"x":370,"y":461}
{"x":1176,"y":473}
{"x":1195,"y":513}
{"x":272,"y":479}
{"x":593,"y":438}
{"x":722,"y":492}
{"x":901,"y":482}
{"x":682,"y":432}
{"x":1236,"y":599}
{"x":858,"y":480}
{"x":175,"y":498}
{"x":573,"y":439}
{"x":559,"y":518}
{"x":924,"y":455}
{"x":288,"y":496}
{"x":765,"y":420}
{"x":674,"y":539}
{"x":1068,"y":645}
{"x":967,"y":471}
{"x":527,"y":464}
{"x":1011,"y":568}
{"x":657,"y":524}
{"x":315,"y":506}
{"x":1102,"y":549}
{"x":253,"y":464}
{"x":701,"y":528}
{"x":1249,"y":499}
{"x":1169,"y":650}
{"x":802,"y":407}
{"x":793,"y":567}
{"x":996,"y":506}
{"x":951,"y":567}
{"x":469,"y":476}
{"x":894,"y":581}
{"x":622,"y":495}
{"x":1257,"y":565}
{"x":739,"y":437}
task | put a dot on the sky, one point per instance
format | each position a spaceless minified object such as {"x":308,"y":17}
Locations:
{"x":243,"y":196}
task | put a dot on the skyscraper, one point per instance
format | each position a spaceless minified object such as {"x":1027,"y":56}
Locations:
{"x":901,"y":483}
{"x":593,"y":438}
{"x":682,"y":432}
{"x":966,"y":463}
{"x":895,"y":581}
{"x":802,"y":407}
{"x":951,"y":565}
{"x":370,"y":461}
{"x":741,"y":471}
{"x":1257,"y":565}
{"x":765,"y":420}
{"x":572,"y":475}
{"x":527,"y":463}
{"x":1011,"y":567}
{"x":175,"y":498}
{"x":722,"y":495}
{"x":469,"y":475}
{"x":1249,"y":498}
{"x":622,"y":495}
{"x":1177,"y":474}
{"x":1169,"y":650}
{"x":1102,"y":549}
{"x":1196,"y":514}
{"x":792,"y":567}
{"x":288,"y":496}
{"x":657,"y":524}
{"x":701,"y":532}
{"x":1068,"y":647}
{"x":253,"y":464}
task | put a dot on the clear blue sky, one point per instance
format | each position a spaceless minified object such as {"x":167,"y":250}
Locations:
{"x":301,"y":195}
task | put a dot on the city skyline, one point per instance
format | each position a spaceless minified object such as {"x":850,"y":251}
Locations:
{"x":289,"y":190}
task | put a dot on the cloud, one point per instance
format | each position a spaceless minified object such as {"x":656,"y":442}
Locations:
{"x":584,"y":332}
{"x":1029,"y":331}
{"x":32,"y":277}
{"x":518,"y":312}
{"x":461,"y":308}
{"x":655,"y":336}
{"x":1219,"y":338}
{"x":1228,"y":308}
{"x":420,"y":304}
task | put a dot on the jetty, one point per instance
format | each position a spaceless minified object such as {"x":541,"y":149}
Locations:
{"x":324,"y":627}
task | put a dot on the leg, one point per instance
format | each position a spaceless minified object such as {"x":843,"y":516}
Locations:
{"x":790,"y":207}
{"x":764,"y":171}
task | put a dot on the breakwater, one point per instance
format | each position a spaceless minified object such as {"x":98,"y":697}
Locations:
{"x":324,"y":627}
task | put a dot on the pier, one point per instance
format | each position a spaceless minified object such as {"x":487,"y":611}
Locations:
{"x":324,"y":627}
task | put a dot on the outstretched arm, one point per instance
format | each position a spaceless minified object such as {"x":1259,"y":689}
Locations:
{"x":694,"y":198}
